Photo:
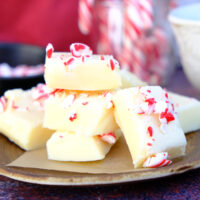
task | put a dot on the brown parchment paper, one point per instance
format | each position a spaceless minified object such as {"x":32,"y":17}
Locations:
{"x":118,"y":160}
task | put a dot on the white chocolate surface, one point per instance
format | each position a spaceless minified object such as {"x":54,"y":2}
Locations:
{"x":166,"y":138}
{"x":91,"y":74}
{"x":68,"y":146}
{"x":22,"y":121}
{"x":83,"y":113}
{"x":188,"y":110}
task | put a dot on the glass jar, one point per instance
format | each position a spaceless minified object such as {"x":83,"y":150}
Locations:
{"x":139,"y":39}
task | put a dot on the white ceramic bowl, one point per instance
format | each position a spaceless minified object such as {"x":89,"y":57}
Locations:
{"x":185,"y":23}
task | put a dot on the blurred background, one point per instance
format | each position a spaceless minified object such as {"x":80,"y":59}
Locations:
{"x":136,"y":32}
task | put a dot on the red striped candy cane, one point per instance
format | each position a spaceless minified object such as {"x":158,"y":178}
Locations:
{"x":85,"y":15}
{"x":146,"y":11}
{"x":133,"y":26}
{"x":104,"y":45}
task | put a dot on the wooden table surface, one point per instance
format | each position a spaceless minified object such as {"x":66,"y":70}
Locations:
{"x":183,"y":186}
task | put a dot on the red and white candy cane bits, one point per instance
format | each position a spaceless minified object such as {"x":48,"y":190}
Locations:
{"x":108,"y":137}
{"x":157,"y":160}
{"x":78,"y":49}
{"x":49,"y":50}
{"x":3,"y":104}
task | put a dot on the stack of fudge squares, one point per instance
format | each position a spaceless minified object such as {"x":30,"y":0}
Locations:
{"x":81,"y":109}
{"x":88,"y":109}
{"x":88,"y":103}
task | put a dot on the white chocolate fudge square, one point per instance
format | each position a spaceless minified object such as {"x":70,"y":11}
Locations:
{"x":68,"y":146}
{"x":21,"y":120}
{"x":83,"y":113}
{"x":188,"y":110}
{"x":149,"y":123}
{"x":129,"y":79}
{"x":96,"y":72}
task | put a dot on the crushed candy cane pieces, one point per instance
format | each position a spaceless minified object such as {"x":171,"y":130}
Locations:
{"x":157,"y":160}
{"x":49,"y":50}
{"x":15,"y":107}
{"x":150,"y":131}
{"x":3,"y":104}
{"x":72,"y":117}
{"x":112,"y":64}
{"x":78,"y":49}
{"x":40,"y":92}
{"x":167,"y":115}
{"x":108,"y":137}
{"x":69,"y":61}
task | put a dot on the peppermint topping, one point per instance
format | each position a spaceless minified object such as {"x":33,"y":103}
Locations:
{"x":83,"y":58}
{"x":85,"y":103}
{"x":69,"y":61}
{"x":102,"y":58}
{"x":110,"y":103}
{"x":150,"y":131}
{"x":155,"y":103}
{"x":49,"y":50}
{"x":15,"y":107}
{"x":157,"y":160}
{"x":3,"y":104}
{"x":40,"y":92}
{"x":167,"y":115}
{"x":79,"y":49}
{"x":150,"y":101}
{"x":149,"y":143}
{"x":56,"y":91}
{"x":112,"y":64}
{"x":72,"y":117}
{"x":108,"y":137}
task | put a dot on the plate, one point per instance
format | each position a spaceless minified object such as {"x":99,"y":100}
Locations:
{"x":10,"y":151}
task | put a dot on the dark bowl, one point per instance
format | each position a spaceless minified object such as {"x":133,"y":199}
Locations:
{"x":15,"y":54}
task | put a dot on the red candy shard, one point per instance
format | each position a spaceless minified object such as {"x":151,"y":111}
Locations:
{"x":108,"y":137}
{"x":149,"y":91}
{"x":56,"y":91}
{"x":3,"y":103}
{"x":150,"y":101}
{"x":14,"y":106}
{"x":112,"y":64}
{"x":102,"y":58}
{"x":73,"y":117}
{"x":69,"y":61}
{"x":85,"y":103}
{"x":167,"y":115}
{"x":166,"y":95}
{"x":83,"y":58}
{"x":150,"y":131}
{"x":149,"y":144}
{"x":79,"y":47}
{"x":49,"y":50}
